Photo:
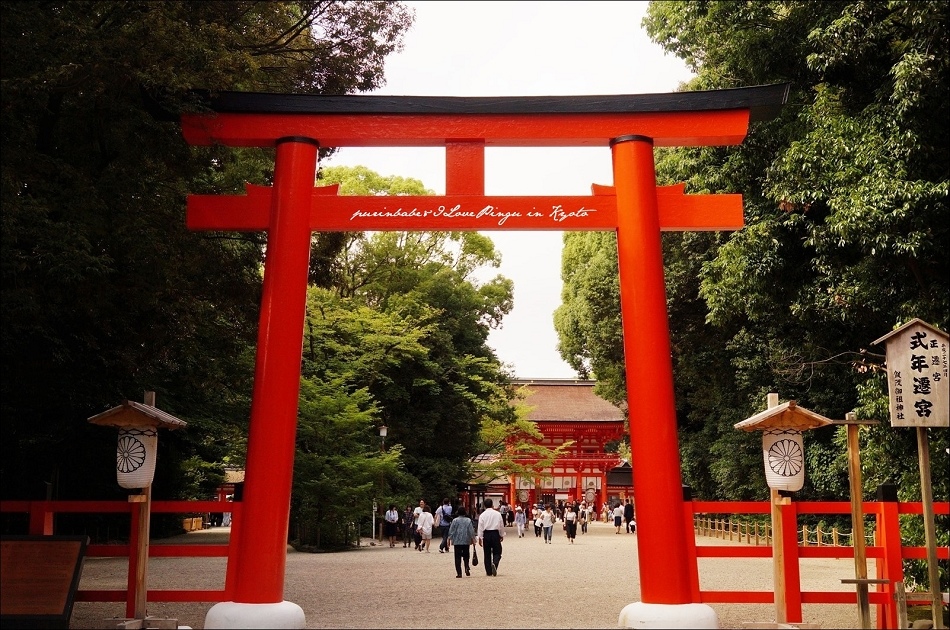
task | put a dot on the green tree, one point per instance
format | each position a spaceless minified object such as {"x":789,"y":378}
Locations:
{"x":590,"y":337}
{"x":846,"y":237}
{"x":105,"y":293}
{"x":403,"y":327}
{"x":339,"y":467}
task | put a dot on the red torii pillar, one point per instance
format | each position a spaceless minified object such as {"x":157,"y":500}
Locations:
{"x":636,"y":208}
{"x":648,"y":364}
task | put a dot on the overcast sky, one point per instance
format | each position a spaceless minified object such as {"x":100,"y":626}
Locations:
{"x":522,"y":49}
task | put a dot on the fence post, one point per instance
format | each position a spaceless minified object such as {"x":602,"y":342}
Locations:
{"x":691,"y":558}
{"x":793,"y":582}
{"x":41,"y":518}
{"x":890,"y":565}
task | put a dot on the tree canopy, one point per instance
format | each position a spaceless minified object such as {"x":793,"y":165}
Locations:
{"x":403,"y":331}
{"x":106,"y":294}
{"x":846,"y":236}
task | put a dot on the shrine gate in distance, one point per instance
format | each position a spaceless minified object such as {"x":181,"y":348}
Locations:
{"x":567,"y":410}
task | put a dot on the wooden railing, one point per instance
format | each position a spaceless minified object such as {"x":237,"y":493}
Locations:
{"x":41,"y":513}
{"x":759,"y":533}
{"x":887,"y":550}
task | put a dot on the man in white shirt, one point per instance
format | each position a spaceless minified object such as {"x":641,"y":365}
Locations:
{"x":491,"y":531}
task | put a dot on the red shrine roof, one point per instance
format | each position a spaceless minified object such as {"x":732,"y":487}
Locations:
{"x":557,"y":400}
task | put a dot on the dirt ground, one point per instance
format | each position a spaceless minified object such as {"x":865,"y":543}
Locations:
{"x":584,"y":585}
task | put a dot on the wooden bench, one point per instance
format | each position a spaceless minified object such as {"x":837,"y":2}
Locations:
{"x":39,"y":576}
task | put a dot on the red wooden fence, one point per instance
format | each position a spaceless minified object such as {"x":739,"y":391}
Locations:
{"x":41,"y":523}
{"x":888,"y":550}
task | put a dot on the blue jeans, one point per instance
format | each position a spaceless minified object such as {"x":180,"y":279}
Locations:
{"x":547,"y":532}
{"x":444,"y":545}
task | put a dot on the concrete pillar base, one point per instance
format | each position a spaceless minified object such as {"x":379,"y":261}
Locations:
{"x":246,"y":616}
{"x":641,"y":615}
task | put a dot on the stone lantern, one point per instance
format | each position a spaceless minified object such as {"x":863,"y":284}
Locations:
{"x":782,"y":448}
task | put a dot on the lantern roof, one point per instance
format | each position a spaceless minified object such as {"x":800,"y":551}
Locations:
{"x":785,"y":416}
{"x":133,"y":414}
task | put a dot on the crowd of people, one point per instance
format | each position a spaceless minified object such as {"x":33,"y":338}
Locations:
{"x":485,"y":526}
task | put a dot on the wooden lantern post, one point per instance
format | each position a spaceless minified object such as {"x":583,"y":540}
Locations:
{"x":133,"y":415}
{"x":785,"y":417}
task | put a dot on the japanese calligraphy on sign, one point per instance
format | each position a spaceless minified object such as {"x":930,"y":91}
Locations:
{"x":917,"y":375}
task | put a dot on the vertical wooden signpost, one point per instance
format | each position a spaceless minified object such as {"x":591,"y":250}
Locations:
{"x":861,"y":580}
{"x":918,"y":380}
{"x":635,"y":207}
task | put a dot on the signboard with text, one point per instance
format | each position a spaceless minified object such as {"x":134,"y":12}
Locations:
{"x":917,"y":375}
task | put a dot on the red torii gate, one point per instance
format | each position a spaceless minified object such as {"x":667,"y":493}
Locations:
{"x":630,"y":125}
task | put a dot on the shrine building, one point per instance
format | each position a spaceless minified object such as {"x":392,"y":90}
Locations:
{"x":568,"y":410}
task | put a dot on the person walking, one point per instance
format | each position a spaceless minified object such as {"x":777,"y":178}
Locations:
{"x":628,"y":514}
{"x":520,"y":521}
{"x":391,"y":524}
{"x":461,"y":534}
{"x":536,"y":520}
{"x":424,"y":528}
{"x":618,"y":516}
{"x":408,"y":526}
{"x":491,"y":531}
{"x":570,"y":523}
{"x":547,"y":523}
{"x":444,"y":520}
{"x":416,"y":512}
{"x":584,"y":516}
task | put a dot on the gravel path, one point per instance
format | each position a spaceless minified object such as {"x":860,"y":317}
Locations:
{"x":584,"y":585}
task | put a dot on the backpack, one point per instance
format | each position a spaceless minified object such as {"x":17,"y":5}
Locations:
{"x":443,"y":517}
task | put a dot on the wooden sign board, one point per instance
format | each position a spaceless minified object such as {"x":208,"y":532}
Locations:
{"x":918,"y":376}
{"x":39,"y":576}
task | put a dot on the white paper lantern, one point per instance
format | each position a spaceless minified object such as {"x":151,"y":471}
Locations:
{"x":784,"y":456}
{"x":135,"y":456}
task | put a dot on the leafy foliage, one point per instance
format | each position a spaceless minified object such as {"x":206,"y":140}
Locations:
{"x":846,"y":238}
{"x":397,"y":338}
{"x":106,"y":294}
